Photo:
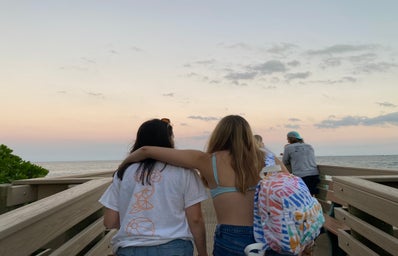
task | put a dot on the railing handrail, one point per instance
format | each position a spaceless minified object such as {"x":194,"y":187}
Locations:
{"x":41,"y":221}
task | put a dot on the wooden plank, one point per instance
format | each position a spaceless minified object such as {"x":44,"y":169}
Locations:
{"x":331,"y":197}
{"x":91,"y":175}
{"x":40,"y":222}
{"x":325,"y":205}
{"x":369,"y":186}
{"x":20,"y":194}
{"x":103,"y":247}
{"x":352,"y":246}
{"x":322,"y":194}
{"x":48,"y":181}
{"x":44,"y":253}
{"x":352,"y":171}
{"x":44,"y":191}
{"x":381,"y":178}
{"x":373,"y":234}
{"x":3,"y":196}
{"x":325,"y":183}
{"x":81,"y":240}
{"x":333,"y":225}
{"x":369,"y":197}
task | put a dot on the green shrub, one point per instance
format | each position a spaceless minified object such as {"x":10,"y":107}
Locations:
{"x":12,"y":167}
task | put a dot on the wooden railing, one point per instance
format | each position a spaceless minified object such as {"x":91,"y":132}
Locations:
{"x":62,"y":216}
{"x":361,"y":208}
{"x":54,"y":216}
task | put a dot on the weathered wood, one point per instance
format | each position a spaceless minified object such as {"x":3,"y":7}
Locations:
{"x":21,"y":194}
{"x":3,"y":197}
{"x":44,"y":252}
{"x":388,"y":242}
{"x":103,"y":247}
{"x":39,"y":222}
{"x":352,"y":247}
{"x":325,"y":205}
{"x":81,"y":240}
{"x":322,"y":194}
{"x":44,"y":191}
{"x":373,"y":198}
{"x":352,"y":171}
{"x":331,"y":197}
{"x":51,"y":181}
{"x":333,"y":225}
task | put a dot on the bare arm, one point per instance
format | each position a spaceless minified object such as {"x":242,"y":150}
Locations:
{"x":111,"y":219}
{"x":283,"y":167}
{"x":192,"y":159}
{"x":197,"y":227}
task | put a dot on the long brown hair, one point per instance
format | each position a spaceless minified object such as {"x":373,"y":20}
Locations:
{"x":154,"y":132}
{"x":233,"y":134}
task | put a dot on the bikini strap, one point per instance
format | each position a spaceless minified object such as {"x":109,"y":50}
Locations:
{"x":215,"y":172}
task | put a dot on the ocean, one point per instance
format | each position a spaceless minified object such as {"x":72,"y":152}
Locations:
{"x":81,"y":167}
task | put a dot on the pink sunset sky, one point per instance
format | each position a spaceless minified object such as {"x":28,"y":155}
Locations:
{"x":79,"y":77}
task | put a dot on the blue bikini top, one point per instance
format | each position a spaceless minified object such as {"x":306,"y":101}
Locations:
{"x":219,"y":189}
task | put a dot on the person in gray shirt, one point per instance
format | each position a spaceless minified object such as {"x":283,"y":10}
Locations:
{"x":301,"y":158}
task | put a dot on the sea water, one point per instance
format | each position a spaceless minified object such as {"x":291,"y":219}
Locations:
{"x":82,"y":167}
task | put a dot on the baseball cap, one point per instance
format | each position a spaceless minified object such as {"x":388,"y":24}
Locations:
{"x":294,"y":134}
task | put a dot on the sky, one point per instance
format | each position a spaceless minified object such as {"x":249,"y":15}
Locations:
{"x":79,"y":77}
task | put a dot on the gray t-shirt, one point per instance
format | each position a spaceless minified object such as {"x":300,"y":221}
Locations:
{"x":301,"y":157}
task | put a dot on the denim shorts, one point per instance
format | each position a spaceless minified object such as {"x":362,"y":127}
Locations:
{"x":177,"y":247}
{"x":232,"y":240}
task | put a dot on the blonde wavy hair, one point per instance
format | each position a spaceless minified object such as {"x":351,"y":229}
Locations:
{"x":233,"y":134}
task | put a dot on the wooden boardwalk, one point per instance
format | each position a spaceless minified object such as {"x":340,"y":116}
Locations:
{"x":62,"y":216}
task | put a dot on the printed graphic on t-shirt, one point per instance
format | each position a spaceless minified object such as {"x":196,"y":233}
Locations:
{"x":143,"y":225}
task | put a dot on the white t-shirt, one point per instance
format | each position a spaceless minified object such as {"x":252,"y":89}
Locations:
{"x":153,"y":214}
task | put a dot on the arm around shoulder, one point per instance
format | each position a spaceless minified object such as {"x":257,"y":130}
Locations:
{"x":192,"y":159}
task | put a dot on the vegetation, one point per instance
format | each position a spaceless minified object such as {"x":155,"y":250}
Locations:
{"x":12,"y":167}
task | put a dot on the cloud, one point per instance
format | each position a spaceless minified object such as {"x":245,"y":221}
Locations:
{"x":386,"y":104}
{"x":342,"y":48}
{"x":269,"y":67}
{"x":204,"y":118}
{"x":281,"y":48}
{"x":136,"y":49}
{"x":292,"y":126}
{"x":391,"y":119}
{"x":300,"y":75}
{"x":345,"y":79}
{"x":331,"y":62}
{"x":362,"y":57}
{"x":348,"y":79}
{"x":192,"y":74}
{"x":88,"y":60}
{"x":205,"y":62}
{"x":95,"y":94}
{"x":294,"y":120}
{"x":241,"y":75}
{"x":377,"y":67}
{"x":214,"y":82}
{"x":237,"y":45}
{"x":294,"y":63}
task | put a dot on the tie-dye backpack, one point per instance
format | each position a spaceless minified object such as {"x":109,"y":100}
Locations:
{"x":286,"y":217}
